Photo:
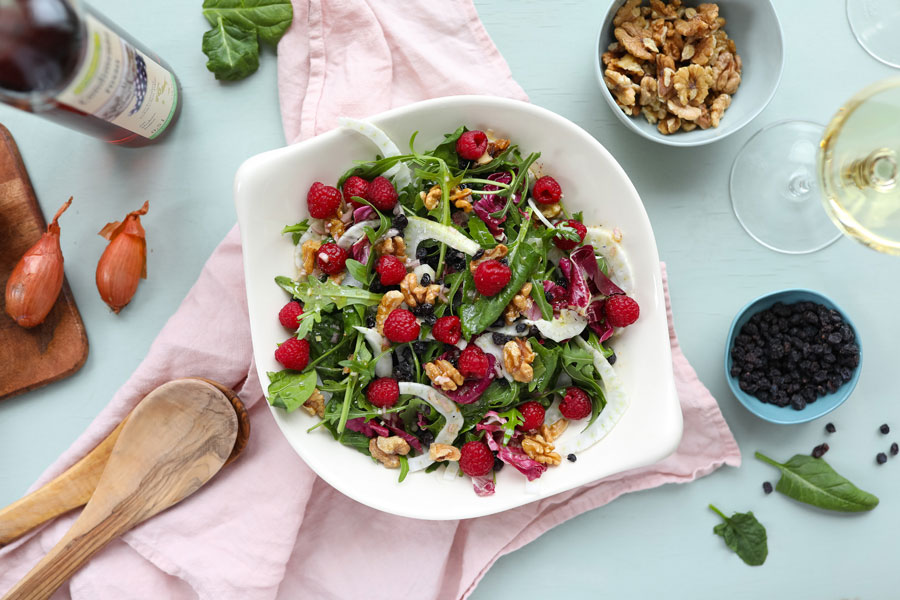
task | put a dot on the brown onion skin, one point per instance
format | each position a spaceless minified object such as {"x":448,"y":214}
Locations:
{"x":124,"y":262}
{"x":36,"y":280}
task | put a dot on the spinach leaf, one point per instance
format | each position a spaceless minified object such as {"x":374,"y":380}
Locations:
{"x":476,"y":317}
{"x":446,"y":150}
{"x":267,"y":18}
{"x":537,"y":293}
{"x":290,"y":389}
{"x":358,"y":271}
{"x":745,"y":535}
{"x":297,"y":230}
{"x":353,"y":439}
{"x":480,"y":233}
{"x":813,"y":481}
{"x":233,"y":51}
{"x":474,"y":413}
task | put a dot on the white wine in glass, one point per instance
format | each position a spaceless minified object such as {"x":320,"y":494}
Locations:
{"x":784,"y":173}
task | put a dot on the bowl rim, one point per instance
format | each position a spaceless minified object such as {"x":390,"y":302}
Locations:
{"x":671,"y":438}
{"x":751,"y":403}
{"x":670,"y":140}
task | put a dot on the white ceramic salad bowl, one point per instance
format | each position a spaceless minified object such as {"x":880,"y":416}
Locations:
{"x":270,"y":191}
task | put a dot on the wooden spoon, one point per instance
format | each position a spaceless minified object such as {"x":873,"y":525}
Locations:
{"x":74,"y":486}
{"x":174,"y":441}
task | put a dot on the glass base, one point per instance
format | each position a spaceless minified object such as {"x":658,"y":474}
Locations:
{"x":875,"y":24}
{"x":774,"y":191}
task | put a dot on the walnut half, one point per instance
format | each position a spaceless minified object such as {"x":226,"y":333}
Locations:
{"x":517,"y":358}
{"x":386,"y":449}
{"x":444,"y":375}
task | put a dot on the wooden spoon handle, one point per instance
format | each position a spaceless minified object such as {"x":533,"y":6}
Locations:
{"x":70,"y":489}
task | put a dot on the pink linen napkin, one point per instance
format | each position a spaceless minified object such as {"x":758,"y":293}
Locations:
{"x":267,"y":527}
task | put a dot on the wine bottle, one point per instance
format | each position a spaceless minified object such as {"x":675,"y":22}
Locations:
{"x":64,"y":61}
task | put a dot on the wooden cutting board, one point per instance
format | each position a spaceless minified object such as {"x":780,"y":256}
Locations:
{"x":30,"y":358}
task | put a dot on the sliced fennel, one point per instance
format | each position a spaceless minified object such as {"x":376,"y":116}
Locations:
{"x":385,"y":365}
{"x":616,"y":404}
{"x":399,"y":172}
{"x":418,"y":230}
{"x":443,"y":405}
{"x":567,"y":325}
{"x":606,"y":243}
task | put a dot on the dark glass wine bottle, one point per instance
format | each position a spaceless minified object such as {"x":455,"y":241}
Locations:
{"x":63,"y":61}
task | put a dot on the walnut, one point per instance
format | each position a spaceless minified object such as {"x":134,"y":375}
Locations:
{"x":630,"y":11}
{"x":308,"y":251}
{"x":659,"y":32}
{"x":517,"y":358}
{"x":726,"y":73}
{"x":698,"y":22}
{"x":394,"y":246}
{"x":315,"y":404}
{"x":635,"y":40}
{"x":687,"y":53}
{"x":621,"y":86}
{"x":665,"y":73}
{"x":495,"y":253}
{"x":669,"y":125}
{"x":711,"y":116}
{"x":661,"y":10}
{"x":687,"y":113}
{"x":626,"y":64}
{"x":690,"y":125}
{"x":444,"y":375}
{"x":653,"y":115}
{"x":539,"y":449}
{"x":552,"y":210}
{"x":496,"y":147}
{"x":673,"y":46}
{"x":386,"y":449}
{"x":519,"y":305}
{"x":441,"y":452}
{"x":389,"y":302}
{"x":431,"y":199}
{"x":552,"y":432}
{"x":414,"y":293}
{"x":691,"y":84}
{"x":703,"y":50}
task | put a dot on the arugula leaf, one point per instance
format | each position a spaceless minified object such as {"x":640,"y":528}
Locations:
{"x":404,"y":468}
{"x":501,"y":394}
{"x":358,"y":271}
{"x":477,"y":316}
{"x":578,"y":362}
{"x":233,"y":51}
{"x":362,"y":364}
{"x":813,"y":481}
{"x":297,"y":230}
{"x":290,"y":389}
{"x":318,"y":297}
{"x":545,"y":366}
{"x":446,"y":150}
{"x":745,"y":535}
{"x":537,"y":293}
{"x":268,"y":18}
{"x":566,"y":232}
{"x":513,"y":419}
{"x":579,"y":216}
{"x":481,"y":234}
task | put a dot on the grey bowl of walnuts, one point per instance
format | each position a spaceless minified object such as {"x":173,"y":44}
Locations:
{"x":687,"y":74}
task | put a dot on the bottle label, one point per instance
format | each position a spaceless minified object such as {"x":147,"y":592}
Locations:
{"x":119,"y":84}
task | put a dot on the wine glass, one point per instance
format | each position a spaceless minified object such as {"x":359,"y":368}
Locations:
{"x":875,"y":23}
{"x":783,"y":172}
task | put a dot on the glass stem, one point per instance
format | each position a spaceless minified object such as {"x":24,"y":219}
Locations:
{"x":878,"y":171}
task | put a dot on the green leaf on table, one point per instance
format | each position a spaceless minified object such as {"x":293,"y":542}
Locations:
{"x":296,"y":230}
{"x":290,"y":389}
{"x":267,"y":18}
{"x":813,"y":481}
{"x":477,"y":316}
{"x":233,"y":51}
{"x":745,"y":535}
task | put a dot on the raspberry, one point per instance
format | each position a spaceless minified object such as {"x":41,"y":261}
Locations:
{"x":289,"y":314}
{"x":471,"y":145}
{"x":401,"y":326}
{"x":565,"y":244}
{"x":532,"y":416}
{"x":331,"y":258}
{"x":621,"y":311}
{"x":383,"y":392}
{"x":390,"y":269}
{"x":476,"y":459}
{"x":322,"y":200}
{"x":293,"y":354}
{"x":473,"y":362}
{"x":447,"y":330}
{"x":355,"y":186}
{"x":546,"y":190}
{"x":576,"y":405}
{"x":491,"y":277}
{"x":381,"y":194}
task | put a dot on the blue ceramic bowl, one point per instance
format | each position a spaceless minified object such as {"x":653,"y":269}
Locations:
{"x":785,"y":415}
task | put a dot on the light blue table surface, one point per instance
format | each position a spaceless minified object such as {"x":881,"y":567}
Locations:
{"x":652,"y":544}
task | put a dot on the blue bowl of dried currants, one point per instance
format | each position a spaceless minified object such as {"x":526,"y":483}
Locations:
{"x":792,"y":356}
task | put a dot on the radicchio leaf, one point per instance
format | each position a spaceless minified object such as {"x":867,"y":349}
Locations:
{"x":361,"y":249}
{"x":364,"y":213}
{"x":484,"y":485}
{"x":492,"y":423}
{"x":599,"y":283}
{"x":597,"y":320}
{"x":517,"y":458}
{"x":471,"y":391}
{"x":579,"y":293}
{"x":367,"y":428}
{"x":487,"y":205}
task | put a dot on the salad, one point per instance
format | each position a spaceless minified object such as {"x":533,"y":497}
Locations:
{"x":448,"y":310}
